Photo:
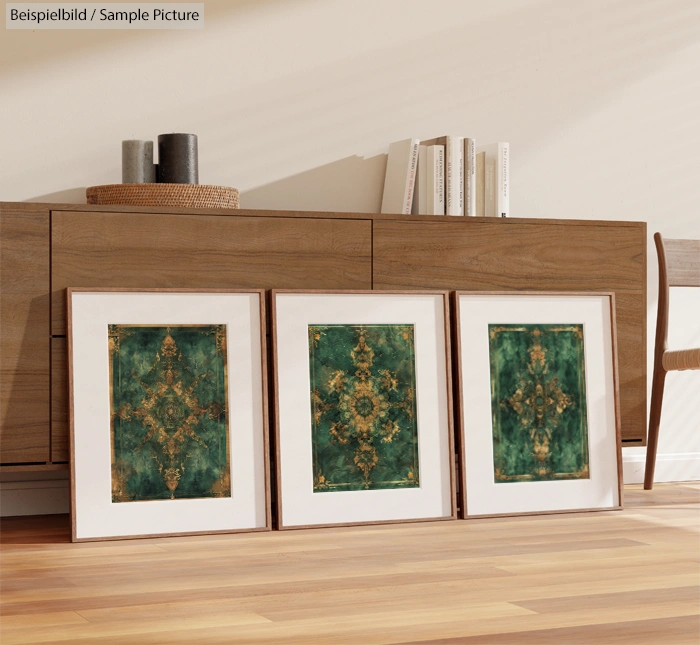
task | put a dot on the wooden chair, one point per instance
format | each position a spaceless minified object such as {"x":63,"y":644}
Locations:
{"x":679,"y":266}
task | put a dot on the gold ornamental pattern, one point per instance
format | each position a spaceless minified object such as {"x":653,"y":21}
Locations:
{"x":363,"y":405}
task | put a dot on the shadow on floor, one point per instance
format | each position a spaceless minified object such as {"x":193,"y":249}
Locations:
{"x":35,"y":529}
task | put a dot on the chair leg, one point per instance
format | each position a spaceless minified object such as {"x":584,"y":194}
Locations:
{"x":657,"y":394}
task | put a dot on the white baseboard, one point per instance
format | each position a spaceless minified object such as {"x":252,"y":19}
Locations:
{"x":670,"y":467}
{"x":52,"y":496}
{"x":45,"y":497}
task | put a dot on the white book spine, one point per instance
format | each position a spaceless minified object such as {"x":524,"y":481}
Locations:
{"x":489,"y":187}
{"x":440,"y":200}
{"x":411,"y":180}
{"x":480,"y":179}
{"x":400,"y":177}
{"x":469,"y":177}
{"x":503,"y":180}
{"x":420,"y":190}
{"x":497,"y":179}
{"x":436,"y":180}
{"x":454,"y":189}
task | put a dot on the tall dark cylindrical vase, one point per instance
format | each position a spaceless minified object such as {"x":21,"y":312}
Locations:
{"x":178,"y":161}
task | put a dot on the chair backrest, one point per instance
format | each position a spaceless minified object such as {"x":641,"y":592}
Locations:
{"x":679,"y":266}
{"x":682,"y":262}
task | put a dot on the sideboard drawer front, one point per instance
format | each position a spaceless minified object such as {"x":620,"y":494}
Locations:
{"x":98,"y":249}
{"x":24,"y":346}
{"x":494,"y":254}
{"x":528,"y":255}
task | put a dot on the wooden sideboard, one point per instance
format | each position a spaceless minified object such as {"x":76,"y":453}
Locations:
{"x":45,"y":248}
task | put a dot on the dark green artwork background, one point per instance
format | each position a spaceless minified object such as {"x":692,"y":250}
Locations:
{"x":538,"y":402}
{"x":169,"y":412}
{"x":364,"y":430}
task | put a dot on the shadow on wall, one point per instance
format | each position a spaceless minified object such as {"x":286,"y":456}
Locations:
{"x":572,"y":60}
{"x":68,"y":196}
{"x":350,"y":185}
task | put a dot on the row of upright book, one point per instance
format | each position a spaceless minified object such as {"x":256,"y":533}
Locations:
{"x":447,"y":176}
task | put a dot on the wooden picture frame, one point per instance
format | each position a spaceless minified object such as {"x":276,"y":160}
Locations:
{"x":530,"y":365}
{"x":335,"y":466}
{"x":159,"y":379}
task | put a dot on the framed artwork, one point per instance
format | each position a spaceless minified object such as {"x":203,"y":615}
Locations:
{"x":363,"y":415}
{"x":538,"y":402}
{"x":168,"y":412}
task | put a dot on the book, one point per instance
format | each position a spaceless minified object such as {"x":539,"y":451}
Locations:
{"x":469,"y":177}
{"x":480,"y":163}
{"x":489,"y":187}
{"x":435,"y":159}
{"x":497,"y":179}
{"x":400,"y":177}
{"x":503,"y":179}
{"x":420,"y":192}
{"x":454,"y":172}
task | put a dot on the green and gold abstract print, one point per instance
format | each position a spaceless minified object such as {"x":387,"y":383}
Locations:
{"x":169,"y":412}
{"x":363,"y":406}
{"x":538,"y":402}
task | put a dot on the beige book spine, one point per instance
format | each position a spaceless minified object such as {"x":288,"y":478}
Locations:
{"x":480,"y":179}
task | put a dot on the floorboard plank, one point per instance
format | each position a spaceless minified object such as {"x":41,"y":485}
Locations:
{"x":617,"y":577}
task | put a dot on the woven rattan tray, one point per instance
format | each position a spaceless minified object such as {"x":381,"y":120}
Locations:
{"x":187,"y":195}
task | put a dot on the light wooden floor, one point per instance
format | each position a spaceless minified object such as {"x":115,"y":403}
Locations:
{"x":607,"y":578}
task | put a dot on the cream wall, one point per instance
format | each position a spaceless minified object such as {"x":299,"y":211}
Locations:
{"x":295,"y":104}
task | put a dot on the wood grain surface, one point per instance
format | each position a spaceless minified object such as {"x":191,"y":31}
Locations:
{"x":98,"y":249}
{"x":262,"y":212}
{"x":683,"y":262}
{"x":630,"y":312}
{"x":550,"y":256}
{"x":60,"y":440}
{"x":24,"y":320}
{"x":30,"y":208}
{"x":626,"y":577}
{"x":112,"y":246}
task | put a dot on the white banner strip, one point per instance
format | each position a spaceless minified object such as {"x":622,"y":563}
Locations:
{"x":95,"y":15}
